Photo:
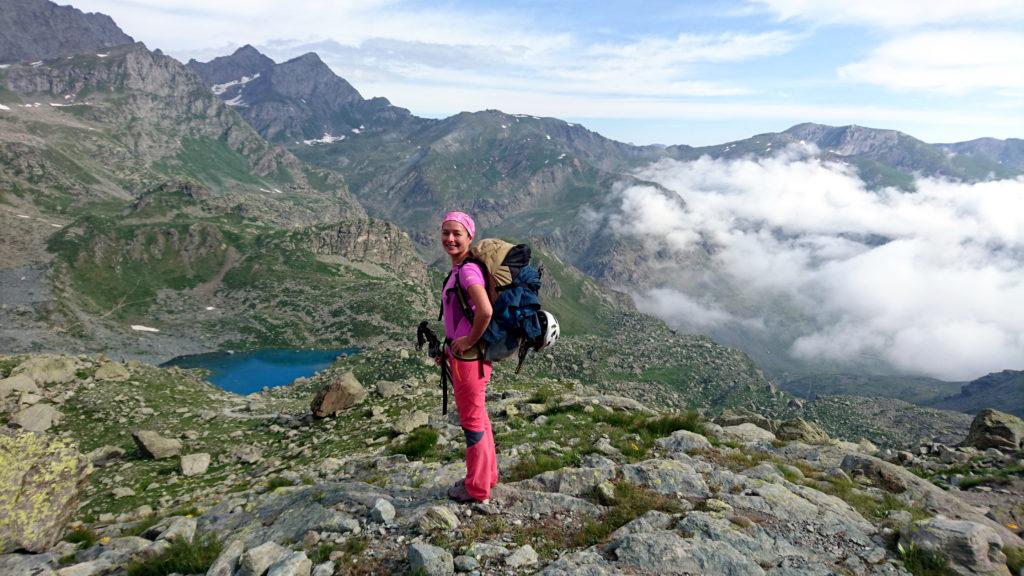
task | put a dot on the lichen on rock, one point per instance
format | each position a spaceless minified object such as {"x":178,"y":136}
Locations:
{"x":40,"y":481}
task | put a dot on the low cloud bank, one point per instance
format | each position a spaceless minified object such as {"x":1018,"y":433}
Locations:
{"x":931,"y":281}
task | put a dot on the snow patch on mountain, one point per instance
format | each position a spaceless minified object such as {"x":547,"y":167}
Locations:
{"x":219,"y":89}
{"x":327,"y":138}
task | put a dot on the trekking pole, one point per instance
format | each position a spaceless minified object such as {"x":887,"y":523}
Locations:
{"x":435,"y":349}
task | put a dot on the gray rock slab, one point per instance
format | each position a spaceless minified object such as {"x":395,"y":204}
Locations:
{"x":667,"y":477}
{"x":683,"y":441}
{"x":155,"y":446}
{"x":37,"y":418}
{"x":667,"y":552}
{"x":431,"y":560}
{"x":294,"y":564}
{"x":227,"y":563}
{"x":256,"y":561}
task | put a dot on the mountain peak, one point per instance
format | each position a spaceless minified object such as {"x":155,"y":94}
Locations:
{"x":40,"y":30}
{"x":247,"y":51}
{"x":246,"y":61}
{"x":309,"y":60}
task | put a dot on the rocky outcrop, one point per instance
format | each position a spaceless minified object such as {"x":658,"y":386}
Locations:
{"x":995,"y":429}
{"x":40,"y":482}
{"x":36,"y":418}
{"x":372,"y":241}
{"x":801,"y":430}
{"x":18,"y":383}
{"x":112,"y":371}
{"x":153,"y":445}
{"x":744,"y":416}
{"x":40,"y":29}
{"x":899,"y":480}
{"x":45,"y":370}
{"x":747,"y":434}
{"x":972,"y":548}
{"x":340,"y":394}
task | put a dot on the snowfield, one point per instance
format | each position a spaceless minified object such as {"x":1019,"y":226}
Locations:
{"x":219,"y":89}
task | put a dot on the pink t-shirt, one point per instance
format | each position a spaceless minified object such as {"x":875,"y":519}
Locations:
{"x":456,"y":325}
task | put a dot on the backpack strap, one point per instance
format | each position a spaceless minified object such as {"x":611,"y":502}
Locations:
{"x":440,"y":311}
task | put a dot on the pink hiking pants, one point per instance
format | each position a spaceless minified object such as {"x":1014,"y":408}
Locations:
{"x":470,"y":392}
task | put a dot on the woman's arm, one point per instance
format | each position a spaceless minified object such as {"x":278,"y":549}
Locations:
{"x":482,"y":317}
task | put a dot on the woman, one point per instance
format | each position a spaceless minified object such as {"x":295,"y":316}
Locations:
{"x":469,"y":375}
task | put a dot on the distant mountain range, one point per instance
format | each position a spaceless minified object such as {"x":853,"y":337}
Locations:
{"x":245,"y":202}
{"x":1001,"y":390}
{"x":553,"y":181}
{"x":38,"y":30}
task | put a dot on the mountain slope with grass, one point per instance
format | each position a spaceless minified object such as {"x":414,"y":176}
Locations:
{"x":188,"y":478}
{"x":1001,"y":390}
{"x":134,"y":197}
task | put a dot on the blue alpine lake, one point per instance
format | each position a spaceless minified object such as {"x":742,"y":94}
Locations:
{"x":248,"y":372}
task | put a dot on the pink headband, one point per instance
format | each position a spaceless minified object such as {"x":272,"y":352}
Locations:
{"x":461,"y":218}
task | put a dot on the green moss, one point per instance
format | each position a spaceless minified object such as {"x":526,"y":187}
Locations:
{"x":419,"y":442}
{"x":1014,"y":559}
{"x":182,"y":557}
{"x":83,"y":536}
{"x":920,"y":562}
{"x":539,"y":463}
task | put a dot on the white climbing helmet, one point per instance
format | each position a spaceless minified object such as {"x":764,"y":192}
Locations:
{"x":548,"y":328}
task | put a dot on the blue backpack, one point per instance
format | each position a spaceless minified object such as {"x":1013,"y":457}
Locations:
{"x":514,"y":288}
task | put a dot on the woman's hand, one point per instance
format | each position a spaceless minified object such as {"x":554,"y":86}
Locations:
{"x":461,"y":344}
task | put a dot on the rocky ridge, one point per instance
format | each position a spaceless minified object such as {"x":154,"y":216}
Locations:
{"x":38,"y":30}
{"x":592,"y":482}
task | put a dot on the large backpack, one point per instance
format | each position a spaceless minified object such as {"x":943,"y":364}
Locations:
{"x":513,"y":286}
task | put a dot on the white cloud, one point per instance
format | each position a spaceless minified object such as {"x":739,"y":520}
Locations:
{"x":887,"y":13}
{"x":955,"y":62}
{"x":930,"y":282}
{"x":676,"y":307}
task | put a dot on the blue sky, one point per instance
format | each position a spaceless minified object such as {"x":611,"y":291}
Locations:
{"x":645,"y":72}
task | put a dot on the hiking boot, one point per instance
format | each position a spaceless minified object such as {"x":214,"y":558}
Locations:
{"x":459,"y":494}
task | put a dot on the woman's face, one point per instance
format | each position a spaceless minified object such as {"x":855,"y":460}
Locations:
{"x":454,"y":238}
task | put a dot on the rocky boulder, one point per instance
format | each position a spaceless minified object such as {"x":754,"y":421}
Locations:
{"x":195,"y":464}
{"x":47,"y":369}
{"x":104,"y":455}
{"x":155,"y":446}
{"x":923,"y":493}
{"x":37,"y":418}
{"x":995,"y":429}
{"x":388,"y":389}
{"x":431,"y":560}
{"x":40,"y":482}
{"x":684,"y":441}
{"x":801,"y":430}
{"x":743,"y":416}
{"x":112,"y":371}
{"x":409,"y":422}
{"x":18,"y":383}
{"x":970,"y":547}
{"x":340,"y":394}
{"x":256,"y":561}
{"x":747,"y":433}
